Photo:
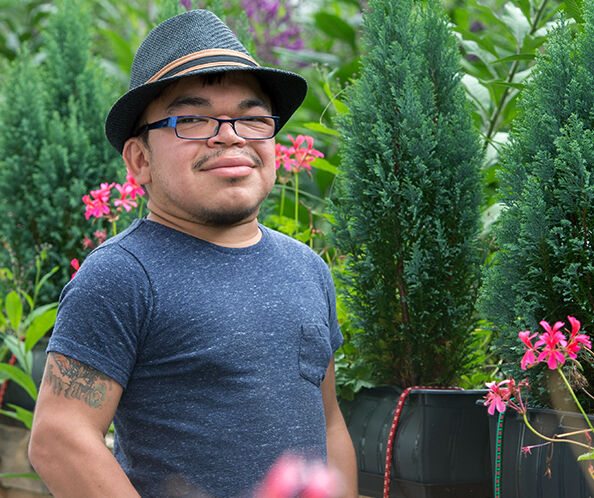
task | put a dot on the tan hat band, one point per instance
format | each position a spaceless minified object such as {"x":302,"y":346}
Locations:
{"x":204,"y":59}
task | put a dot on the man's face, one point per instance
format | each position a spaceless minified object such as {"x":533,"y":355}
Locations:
{"x":220,"y":181}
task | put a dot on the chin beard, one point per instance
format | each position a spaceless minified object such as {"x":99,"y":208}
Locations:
{"x":228,"y":217}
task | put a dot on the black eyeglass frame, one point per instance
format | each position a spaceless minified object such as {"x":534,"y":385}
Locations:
{"x":171,"y":122}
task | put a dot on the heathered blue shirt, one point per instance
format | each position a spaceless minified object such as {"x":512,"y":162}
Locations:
{"x":220,"y":351}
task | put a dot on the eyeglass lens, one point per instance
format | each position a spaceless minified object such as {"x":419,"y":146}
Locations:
{"x":196,"y":127}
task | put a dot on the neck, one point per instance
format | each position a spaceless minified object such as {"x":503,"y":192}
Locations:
{"x":243,"y":234}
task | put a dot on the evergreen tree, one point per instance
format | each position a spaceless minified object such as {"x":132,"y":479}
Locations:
{"x":52,"y":145}
{"x":545,"y":235}
{"x":408,"y":210}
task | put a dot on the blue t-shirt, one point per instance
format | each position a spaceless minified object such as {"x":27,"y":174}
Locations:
{"x":220,"y":351}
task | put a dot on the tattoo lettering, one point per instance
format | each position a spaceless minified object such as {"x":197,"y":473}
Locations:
{"x":76,"y":380}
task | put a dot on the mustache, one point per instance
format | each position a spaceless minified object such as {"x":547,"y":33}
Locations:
{"x":215,"y":155}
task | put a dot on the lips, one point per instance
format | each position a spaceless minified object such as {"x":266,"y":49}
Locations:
{"x":228,"y":163}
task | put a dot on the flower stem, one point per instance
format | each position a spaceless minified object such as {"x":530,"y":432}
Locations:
{"x":282,"y":201}
{"x":297,"y":198}
{"x":552,"y":440}
{"x":575,"y":398}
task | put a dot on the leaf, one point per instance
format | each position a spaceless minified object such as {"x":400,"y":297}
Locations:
{"x":21,"y":378}
{"x":17,"y":348}
{"x":574,"y":8}
{"x":516,"y":57}
{"x":515,"y":21}
{"x":586,"y":456}
{"x":324,"y":165}
{"x":45,"y":278}
{"x":22,"y":414}
{"x":39,"y":327}
{"x":335,"y":27}
{"x":20,"y":476}
{"x":320,"y":128}
{"x":14,"y":310}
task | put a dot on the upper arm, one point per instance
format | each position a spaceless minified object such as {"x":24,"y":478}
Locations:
{"x":76,"y":394}
{"x":331,"y":408}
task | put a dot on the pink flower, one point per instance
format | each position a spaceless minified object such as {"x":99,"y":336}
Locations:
{"x":554,"y":341}
{"x":100,"y":236}
{"x":95,"y":207}
{"x":295,"y":158}
{"x":292,"y":476}
{"x":498,"y":395}
{"x":125,"y":203}
{"x":103,"y":192}
{"x":576,"y":339}
{"x":132,"y":188}
{"x":529,"y":357}
{"x":76,"y":265}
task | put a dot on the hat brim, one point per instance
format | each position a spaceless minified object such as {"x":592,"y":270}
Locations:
{"x":285,"y":89}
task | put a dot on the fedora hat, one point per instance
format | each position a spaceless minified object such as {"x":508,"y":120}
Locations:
{"x":196,"y":42}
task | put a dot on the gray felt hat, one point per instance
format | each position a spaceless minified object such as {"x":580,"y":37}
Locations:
{"x":193,"y":43}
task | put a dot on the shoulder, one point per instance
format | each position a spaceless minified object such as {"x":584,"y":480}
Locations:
{"x":295,"y":252}
{"x":114,"y":264}
{"x":289,"y":245}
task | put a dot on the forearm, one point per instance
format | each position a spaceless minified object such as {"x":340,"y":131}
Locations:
{"x":341,"y":456}
{"x":73,"y":464}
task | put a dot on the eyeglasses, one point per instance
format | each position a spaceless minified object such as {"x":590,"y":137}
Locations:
{"x":204,"y":127}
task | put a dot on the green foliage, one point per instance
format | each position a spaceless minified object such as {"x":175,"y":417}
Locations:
{"x":20,"y":23}
{"x":23,"y":323}
{"x":500,"y":41}
{"x":544,"y":268}
{"x":52,"y":144}
{"x":407,"y":214}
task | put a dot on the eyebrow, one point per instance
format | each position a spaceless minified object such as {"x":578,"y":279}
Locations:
{"x":193,"y":101}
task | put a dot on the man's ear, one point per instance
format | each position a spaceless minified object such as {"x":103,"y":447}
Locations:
{"x":137,"y":158}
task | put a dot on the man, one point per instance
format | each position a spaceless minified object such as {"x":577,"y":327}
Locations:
{"x":206,"y":337}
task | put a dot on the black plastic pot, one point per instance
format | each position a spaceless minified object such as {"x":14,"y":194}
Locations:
{"x":524,"y":475}
{"x":440,"y":448}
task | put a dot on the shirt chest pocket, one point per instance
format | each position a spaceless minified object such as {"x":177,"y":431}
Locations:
{"x":315,"y":352}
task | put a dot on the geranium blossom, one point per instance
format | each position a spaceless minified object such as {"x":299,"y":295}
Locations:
{"x":499,"y":393}
{"x":297,"y":156}
{"x":554,"y":341}
{"x":575,"y":339}
{"x":529,"y":357}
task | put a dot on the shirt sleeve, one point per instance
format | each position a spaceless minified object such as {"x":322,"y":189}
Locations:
{"x":103,"y":313}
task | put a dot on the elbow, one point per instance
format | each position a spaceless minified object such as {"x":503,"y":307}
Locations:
{"x":39,"y":450}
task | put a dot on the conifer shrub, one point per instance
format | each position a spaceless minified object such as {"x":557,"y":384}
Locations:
{"x":544,"y":267}
{"x":407,"y":215}
{"x":52,"y":145}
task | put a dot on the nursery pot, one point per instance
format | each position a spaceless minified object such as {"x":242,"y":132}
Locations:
{"x":440,"y":446}
{"x":525,"y":475}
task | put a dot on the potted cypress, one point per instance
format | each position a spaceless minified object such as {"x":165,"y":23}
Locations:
{"x":407,"y":220}
{"x":543,"y":269}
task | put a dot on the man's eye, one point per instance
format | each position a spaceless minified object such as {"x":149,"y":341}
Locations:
{"x":188,"y":120}
{"x":256,"y":119}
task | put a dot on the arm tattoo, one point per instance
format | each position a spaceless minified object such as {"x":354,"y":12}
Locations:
{"x":76,"y":380}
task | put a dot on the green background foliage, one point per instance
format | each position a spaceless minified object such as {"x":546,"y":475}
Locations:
{"x":61,"y":69}
{"x":544,"y":267}
{"x":52,"y":144}
{"x":408,"y":212}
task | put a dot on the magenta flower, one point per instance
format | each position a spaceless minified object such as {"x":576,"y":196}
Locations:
{"x":497,"y":396}
{"x":76,"y":265}
{"x":576,"y":339}
{"x":95,"y":207}
{"x":529,"y":357}
{"x":554,"y":342}
{"x":298,"y":156}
